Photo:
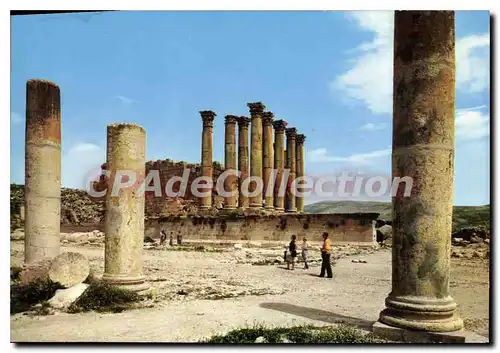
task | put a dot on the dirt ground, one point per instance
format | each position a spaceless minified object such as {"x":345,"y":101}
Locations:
{"x":199,"y":294}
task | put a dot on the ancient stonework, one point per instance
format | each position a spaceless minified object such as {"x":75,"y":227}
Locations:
{"x":256,"y":110}
{"x":231,"y":181}
{"x":279,"y":163}
{"x":42,"y":170}
{"x":206,"y":155}
{"x":291,"y":134}
{"x":268,"y":160}
{"x":243,"y":123}
{"x":299,"y":200}
{"x":423,"y":148}
{"x":124,"y":225}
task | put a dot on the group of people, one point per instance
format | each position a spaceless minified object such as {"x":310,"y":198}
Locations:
{"x":326,"y":251}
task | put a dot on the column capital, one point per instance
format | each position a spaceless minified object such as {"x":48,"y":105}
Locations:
{"x":300,"y":139}
{"x":280,"y":125}
{"x":231,"y":119}
{"x":256,"y":108}
{"x":208,"y":117}
{"x":291,"y":132}
{"x":243,"y":121}
{"x":267,"y":118}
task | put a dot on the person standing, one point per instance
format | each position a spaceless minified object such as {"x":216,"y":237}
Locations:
{"x":292,"y":248}
{"x":305,"y":253}
{"x":163,"y":236}
{"x":326,"y":251}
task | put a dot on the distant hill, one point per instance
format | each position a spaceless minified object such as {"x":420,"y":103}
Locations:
{"x":463,"y":216}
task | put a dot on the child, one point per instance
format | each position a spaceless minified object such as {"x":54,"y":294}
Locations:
{"x":293,"y":253}
{"x":305,"y":253}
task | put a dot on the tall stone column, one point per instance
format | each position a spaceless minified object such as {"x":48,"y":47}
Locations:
{"x":256,"y":110}
{"x":291,"y":134}
{"x":268,"y":158}
{"x":230,"y":184}
{"x":423,"y":148}
{"x":42,"y":177}
{"x":243,"y":122}
{"x":208,"y":117}
{"x":124,"y":221}
{"x":279,"y":162}
{"x":299,"y":201}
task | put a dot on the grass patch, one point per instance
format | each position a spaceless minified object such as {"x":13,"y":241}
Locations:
{"x":103,"y":297}
{"x":24,"y":297}
{"x":296,"y":334}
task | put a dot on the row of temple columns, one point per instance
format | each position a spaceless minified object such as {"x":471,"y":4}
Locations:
{"x":423,"y":148}
{"x":268,"y":160}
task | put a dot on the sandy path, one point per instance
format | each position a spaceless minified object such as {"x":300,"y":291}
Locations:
{"x":355,"y":295}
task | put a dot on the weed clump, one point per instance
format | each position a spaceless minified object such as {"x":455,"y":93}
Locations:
{"x":296,"y":334}
{"x":103,"y":297}
{"x":24,"y":297}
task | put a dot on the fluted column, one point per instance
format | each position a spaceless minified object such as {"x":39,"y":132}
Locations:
{"x":423,"y":149}
{"x":299,"y":200}
{"x":230,"y":184}
{"x":268,"y":159}
{"x":279,"y":162}
{"x":291,"y":134}
{"x":42,"y":177}
{"x":243,"y":122}
{"x":256,"y":110}
{"x":124,"y":221}
{"x":208,"y":117}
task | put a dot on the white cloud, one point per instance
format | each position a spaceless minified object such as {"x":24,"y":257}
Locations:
{"x":471,"y":124}
{"x":16,"y":118}
{"x":473,"y":64}
{"x":320,"y":155}
{"x":81,"y":161}
{"x":125,"y":100}
{"x":373,"y":127}
{"x":369,"y":78}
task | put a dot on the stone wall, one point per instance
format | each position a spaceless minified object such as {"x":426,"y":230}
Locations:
{"x":342,"y":228}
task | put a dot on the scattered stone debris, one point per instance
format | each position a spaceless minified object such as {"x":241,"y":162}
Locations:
{"x":65,"y":297}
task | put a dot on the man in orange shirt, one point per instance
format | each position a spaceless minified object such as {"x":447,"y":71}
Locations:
{"x":326,"y":251}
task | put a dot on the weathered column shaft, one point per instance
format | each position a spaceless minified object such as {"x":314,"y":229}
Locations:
{"x":124,"y":223}
{"x":243,"y":158}
{"x":42,"y":171}
{"x":299,"y":200}
{"x":208,"y":117}
{"x":279,"y":163}
{"x":256,"y":110}
{"x":231,"y":181}
{"x":291,"y":134}
{"x":423,"y":149}
{"x":268,"y":160}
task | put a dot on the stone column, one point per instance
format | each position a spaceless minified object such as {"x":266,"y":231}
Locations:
{"x":42,"y":176}
{"x":208,"y":117}
{"x":256,"y":110}
{"x":124,"y":221}
{"x":243,"y":122}
{"x":291,"y":134}
{"x":230,"y":184}
{"x":423,"y":149}
{"x":268,"y":159}
{"x":279,"y":162}
{"x":299,"y":201}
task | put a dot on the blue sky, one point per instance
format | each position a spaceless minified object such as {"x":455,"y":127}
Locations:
{"x":329,"y":74}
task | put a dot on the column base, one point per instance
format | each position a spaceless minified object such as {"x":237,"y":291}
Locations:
{"x":269,"y":208}
{"x":133,"y":284}
{"x":256,"y":206}
{"x":392,"y":333}
{"x":291,"y":210}
{"x":421,"y":314}
{"x":229,"y":209}
{"x":278,"y":209}
{"x":204,"y":207}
